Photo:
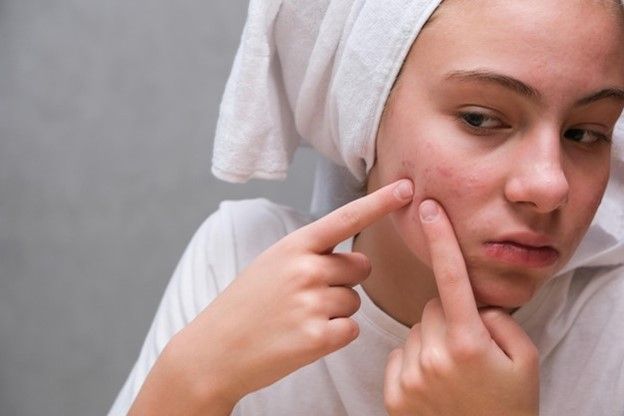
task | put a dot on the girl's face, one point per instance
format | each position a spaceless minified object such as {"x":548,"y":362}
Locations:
{"x":503,"y":113}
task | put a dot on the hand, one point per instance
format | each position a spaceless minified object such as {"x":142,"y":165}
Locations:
{"x":289,"y":307}
{"x":458,"y":360}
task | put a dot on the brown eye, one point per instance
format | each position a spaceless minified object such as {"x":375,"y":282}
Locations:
{"x":584,"y":136}
{"x":474,"y":119}
{"x":480,"y":120}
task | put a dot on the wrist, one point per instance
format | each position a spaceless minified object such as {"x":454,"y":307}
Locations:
{"x":202,"y":385}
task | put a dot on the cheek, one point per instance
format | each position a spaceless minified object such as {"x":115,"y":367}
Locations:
{"x":444,"y":170}
{"x":583,"y":208}
{"x":455,"y":184}
{"x":462,"y":190}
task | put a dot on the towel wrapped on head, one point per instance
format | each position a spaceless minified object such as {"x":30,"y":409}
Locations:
{"x":317,"y":72}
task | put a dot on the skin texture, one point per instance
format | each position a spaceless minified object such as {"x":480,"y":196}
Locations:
{"x":519,"y":175}
{"x":521,"y":171}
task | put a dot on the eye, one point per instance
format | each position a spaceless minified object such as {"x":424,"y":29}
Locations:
{"x":480,"y":120}
{"x":584,"y":136}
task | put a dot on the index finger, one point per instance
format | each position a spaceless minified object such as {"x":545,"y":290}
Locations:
{"x":324,"y":234}
{"x":449,"y":267}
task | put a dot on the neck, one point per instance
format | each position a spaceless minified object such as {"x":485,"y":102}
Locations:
{"x":399,"y":283}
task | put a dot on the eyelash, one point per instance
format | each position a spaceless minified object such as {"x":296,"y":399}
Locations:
{"x":597,"y":135}
{"x":481,"y":130}
{"x":462,"y":115}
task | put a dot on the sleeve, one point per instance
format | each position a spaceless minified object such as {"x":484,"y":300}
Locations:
{"x":201,"y":274}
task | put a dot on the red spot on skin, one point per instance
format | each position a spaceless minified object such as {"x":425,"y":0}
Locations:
{"x":445,"y":172}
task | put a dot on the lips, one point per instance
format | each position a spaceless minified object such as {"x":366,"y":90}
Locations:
{"x":525,"y":249}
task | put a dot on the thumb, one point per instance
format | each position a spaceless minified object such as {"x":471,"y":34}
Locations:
{"x":511,"y":338}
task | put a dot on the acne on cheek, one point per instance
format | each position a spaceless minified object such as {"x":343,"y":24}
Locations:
{"x":408,"y":167}
{"x":453,"y":184}
{"x":443,"y":180}
{"x":446,"y":184}
{"x":441,"y":183}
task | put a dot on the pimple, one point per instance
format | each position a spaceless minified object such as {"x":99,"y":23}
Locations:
{"x":461,"y":182}
{"x":445,"y":172}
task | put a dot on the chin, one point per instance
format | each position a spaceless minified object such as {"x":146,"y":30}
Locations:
{"x":504,"y":290}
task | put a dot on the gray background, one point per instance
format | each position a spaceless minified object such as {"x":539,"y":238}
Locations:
{"x":107,"y":111}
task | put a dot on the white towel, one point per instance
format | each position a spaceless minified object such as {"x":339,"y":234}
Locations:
{"x":318,"y":73}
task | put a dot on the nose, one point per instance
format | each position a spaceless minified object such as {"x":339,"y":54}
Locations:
{"x":537,"y":178}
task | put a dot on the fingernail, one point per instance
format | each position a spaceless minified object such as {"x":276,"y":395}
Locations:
{"x":404,"y":190}
{"x":428,"y":210}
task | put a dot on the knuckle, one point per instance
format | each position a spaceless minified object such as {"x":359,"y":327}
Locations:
{"x":349,"y":219}
{"x":432,"y":306}
{"x":310,"y":302}
{"x":411,"y":381}
{"x":315,"y":336}
{"x":393,"y":403}
{"x":449,"y":274}
{"x":433,"y":362}
{"x":307,"y":271}
{"x":288,"y":244}
{"x":466,"y":349}
{"x":492,"y":314}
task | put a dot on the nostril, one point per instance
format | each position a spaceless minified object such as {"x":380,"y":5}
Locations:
{"x":544,"y":189}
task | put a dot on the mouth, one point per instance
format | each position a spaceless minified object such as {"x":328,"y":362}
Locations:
{"x":526,"y":250}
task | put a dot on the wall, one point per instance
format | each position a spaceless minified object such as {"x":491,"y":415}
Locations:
{"x":107,"y":111}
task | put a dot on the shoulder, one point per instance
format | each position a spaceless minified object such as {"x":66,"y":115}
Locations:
{"x":592,"y":312}
{"x":579,"y":369}
{"x":570,"y":307}
{"x":246,"y":228}
{"x":250,"y":215}
{"x":602,"y":286}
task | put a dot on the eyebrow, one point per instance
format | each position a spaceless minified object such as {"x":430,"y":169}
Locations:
{"x":525,"y":90}
{"x":616,"y":93}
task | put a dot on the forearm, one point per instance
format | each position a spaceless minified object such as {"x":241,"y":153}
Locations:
{"x":169,"y":390}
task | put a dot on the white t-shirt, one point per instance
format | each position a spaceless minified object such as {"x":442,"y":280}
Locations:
{"x":576,"y":320}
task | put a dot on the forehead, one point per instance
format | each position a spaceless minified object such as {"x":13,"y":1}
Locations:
{"x":578,"y":41}
{"x":544,"y":8}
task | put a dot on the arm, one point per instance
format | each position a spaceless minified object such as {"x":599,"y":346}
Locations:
{"x":289,"y":307}
{"x":193,"y":285}
{"x":168,"y":390}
